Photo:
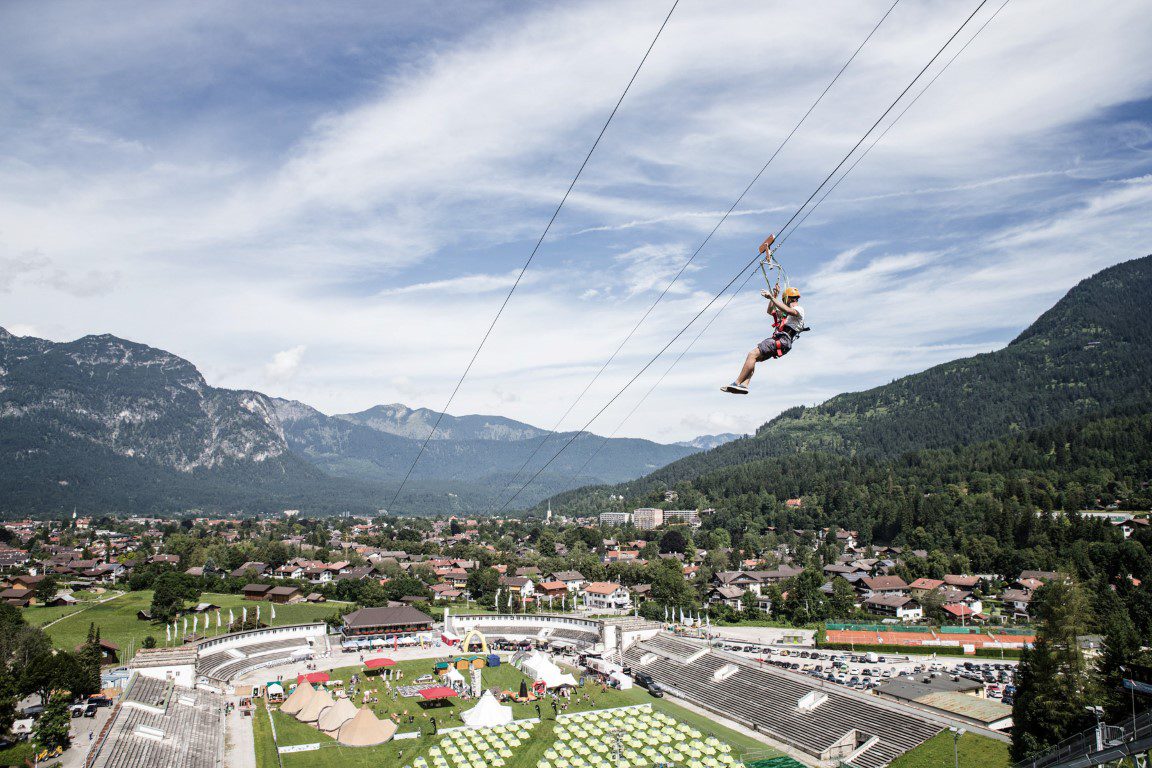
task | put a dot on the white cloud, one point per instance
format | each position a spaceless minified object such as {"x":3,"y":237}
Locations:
{"x":285,"y":365}
{"x":379,"y":229}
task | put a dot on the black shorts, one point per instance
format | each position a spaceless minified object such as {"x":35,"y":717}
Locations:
{"x":777,"y":345}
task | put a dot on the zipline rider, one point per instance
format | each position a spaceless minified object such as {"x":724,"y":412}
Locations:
{"x":787,"y":322}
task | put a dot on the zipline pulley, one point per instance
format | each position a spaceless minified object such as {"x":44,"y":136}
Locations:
{"x":768,"y":262}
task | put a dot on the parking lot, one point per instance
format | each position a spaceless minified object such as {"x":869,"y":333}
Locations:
{"x":867,"y":671}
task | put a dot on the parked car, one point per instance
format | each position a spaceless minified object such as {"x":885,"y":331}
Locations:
{"x":654,"y":689}
{"x":90,"y":710}
{"x":644,"y":680}
{"x":99,"y":701}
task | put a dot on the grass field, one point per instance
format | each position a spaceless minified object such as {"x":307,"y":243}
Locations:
{"x":118,"y":623}
{"x":402,"y":752}
{"x":975,"y":752}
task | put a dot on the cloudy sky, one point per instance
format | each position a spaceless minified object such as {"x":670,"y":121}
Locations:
{"x":328,"y":202}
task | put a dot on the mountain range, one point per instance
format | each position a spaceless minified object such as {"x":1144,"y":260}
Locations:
{"x":107,"y":424}
{"x":1090,"y":353}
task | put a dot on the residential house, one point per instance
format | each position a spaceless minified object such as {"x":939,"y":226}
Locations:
{"x":522,"y":586}
{"x":923,"y":586}
{"x":249,"y":569}
{"x":901,"y":607}
{"x":726,"y":595}
{"x":883,"y":586}
{"x":606,"y":595}
{"x":574,"y":581}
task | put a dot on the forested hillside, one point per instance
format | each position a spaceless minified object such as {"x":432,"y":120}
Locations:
{"x":1091,"y":351}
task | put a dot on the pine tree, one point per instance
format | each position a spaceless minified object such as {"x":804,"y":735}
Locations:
{"x":1054,"y":682}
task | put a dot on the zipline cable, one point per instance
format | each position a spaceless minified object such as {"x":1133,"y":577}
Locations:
{"x":751,"y":263}
{"x":892,"y":125}
{"x":799,"y":224}
{"x":531,"y":256}
{"x":695,"y":253}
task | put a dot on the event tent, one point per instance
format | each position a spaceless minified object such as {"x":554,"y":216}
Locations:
{"x":320,"y":701}
{"x":540,"y":667}
{"x":335,"y":716}
{"x":487,"y":713}
{"x":366,"y":730}
{"x":301,"y":696}
{"x":453,"y":676}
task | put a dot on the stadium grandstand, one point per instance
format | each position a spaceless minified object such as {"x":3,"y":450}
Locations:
{"x":227,"y":657}
{"x":160,"y":723}
{"x":608,"y":636}
{"x":828,"y":724}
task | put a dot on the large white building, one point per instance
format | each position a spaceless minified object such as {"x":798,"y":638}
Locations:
{"x":615,"y":518}
{"x":647,"y":518}
{"x":683,"y":516}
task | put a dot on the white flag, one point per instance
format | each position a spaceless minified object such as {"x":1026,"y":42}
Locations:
{"x":167,"y":633}
{"x":195,"y":623}
{"x":497,"y":605}
{"x":272,"y":611}
{"x":218,"y":622}
{"x":207,"y":621}
{"x":244,"y":615}
{"x":665,"y":614}
{"x":257,"y":614}
{"x":185,"y":625}
{"x":231,"y":617}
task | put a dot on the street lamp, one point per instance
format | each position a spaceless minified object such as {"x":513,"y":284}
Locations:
{"x":956,"y":734}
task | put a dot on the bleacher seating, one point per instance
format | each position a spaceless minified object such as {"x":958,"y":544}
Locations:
{"x":674,"y":648}
{"x":767,"y":700}
{"x":231,"y":662}
{"x":184,"y":735}
{"x":576,"y":635}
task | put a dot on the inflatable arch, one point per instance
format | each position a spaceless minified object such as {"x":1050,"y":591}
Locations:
{"x":467,"y":641}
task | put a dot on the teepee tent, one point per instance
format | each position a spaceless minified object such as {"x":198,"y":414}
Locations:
{"x":335,"y":716}
{"x":487,"y":713}
{"x":320,"y":701}
{"x":366,"y":730}
{"x":298,"y":699}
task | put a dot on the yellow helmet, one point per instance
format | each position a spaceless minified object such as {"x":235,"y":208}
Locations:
{"x":791,"y":293}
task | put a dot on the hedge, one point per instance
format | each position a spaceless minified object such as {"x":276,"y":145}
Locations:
{"x":921,"y":650}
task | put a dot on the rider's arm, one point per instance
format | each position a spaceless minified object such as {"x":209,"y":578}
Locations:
{"x":778,"y":305}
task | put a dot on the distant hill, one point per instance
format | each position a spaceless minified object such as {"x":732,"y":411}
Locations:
{"x":367,"y":448}
{"x":397,"y":419}
{"x":106,"y":424}
{"x":708,"y":442}
{"x":1090,"y":352}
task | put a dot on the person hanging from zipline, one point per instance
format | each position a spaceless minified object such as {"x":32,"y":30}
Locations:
{"x":787,"y":322}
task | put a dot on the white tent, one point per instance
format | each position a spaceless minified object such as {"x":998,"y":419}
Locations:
{"x":454,"y":676}
{"x":487,"y":713}
{"x":540,"y":667}
{"x":622,"y":680}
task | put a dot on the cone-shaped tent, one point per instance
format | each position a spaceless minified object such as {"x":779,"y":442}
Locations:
{"x":366,"y":730}
{"x":298,"y":699}
{"x":487,"y":713}
{"x":335,"y":716}
{"x":320,"y":701}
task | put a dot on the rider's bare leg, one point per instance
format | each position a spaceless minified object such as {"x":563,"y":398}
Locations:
{"x":749,"y":368}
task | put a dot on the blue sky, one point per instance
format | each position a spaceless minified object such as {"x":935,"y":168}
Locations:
{"x":328,"y":202}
